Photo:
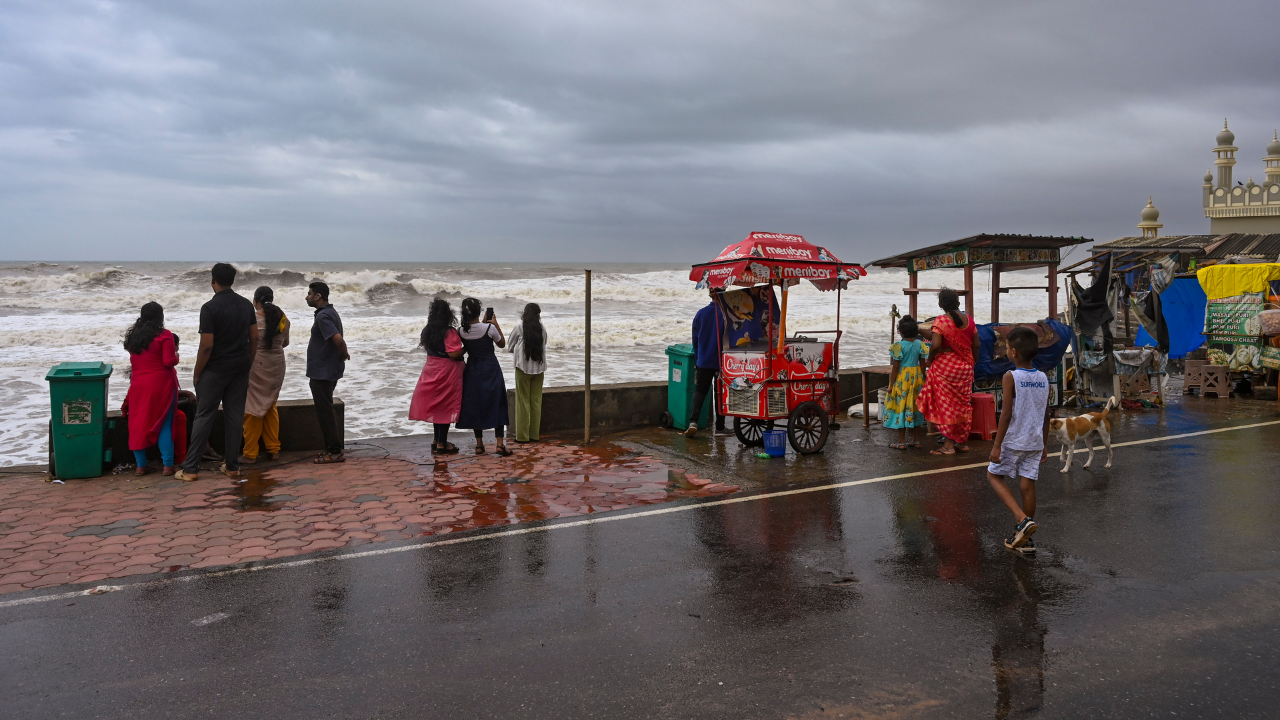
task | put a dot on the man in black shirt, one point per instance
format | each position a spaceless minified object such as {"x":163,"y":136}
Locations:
{"x":228,"y":344}
{"x":326,"y":361}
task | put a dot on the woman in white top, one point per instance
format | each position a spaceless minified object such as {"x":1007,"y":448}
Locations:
{"x":528,"y":342}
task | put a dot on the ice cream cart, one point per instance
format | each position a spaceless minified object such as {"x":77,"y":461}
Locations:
{"x":766,"y":376}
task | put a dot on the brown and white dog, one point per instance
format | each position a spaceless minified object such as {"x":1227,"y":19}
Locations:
{"x":1082,"y":427}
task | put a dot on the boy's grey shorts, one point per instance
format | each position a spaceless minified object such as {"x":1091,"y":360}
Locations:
{"x":1017,"y":463}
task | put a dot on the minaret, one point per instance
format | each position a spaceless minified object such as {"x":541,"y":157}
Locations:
{"x":1149,"y":227}
{"x":1207,"y":188}
{"x":1272,"y":161}
{"x":1226,"y":153}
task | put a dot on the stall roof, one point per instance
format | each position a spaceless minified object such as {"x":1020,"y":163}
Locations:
{"x":984,"y":241}
{"x":1203,"y":247}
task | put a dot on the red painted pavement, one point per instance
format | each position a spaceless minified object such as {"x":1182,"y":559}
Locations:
{"x":116,"y":526}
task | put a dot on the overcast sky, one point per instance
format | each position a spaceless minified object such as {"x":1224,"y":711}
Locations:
{"x":655,"y":131}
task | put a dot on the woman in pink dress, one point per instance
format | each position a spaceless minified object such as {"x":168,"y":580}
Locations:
{"x":438,"y":397}
{"x":153,"y":387}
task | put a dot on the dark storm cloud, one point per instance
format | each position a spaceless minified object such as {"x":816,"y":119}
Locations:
{"x":654,"y":131}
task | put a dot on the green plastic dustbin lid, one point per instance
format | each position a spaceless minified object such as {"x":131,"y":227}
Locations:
{"x":78,"y":371}
{"x":682,"y":349}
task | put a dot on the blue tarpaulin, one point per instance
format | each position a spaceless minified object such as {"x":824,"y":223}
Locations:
{"x":989,"y":367}
{"x":1183,"y":304}
{"x":1144,"y":338}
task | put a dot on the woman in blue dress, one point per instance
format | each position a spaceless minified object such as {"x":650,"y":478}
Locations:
{"x":484,"y":391}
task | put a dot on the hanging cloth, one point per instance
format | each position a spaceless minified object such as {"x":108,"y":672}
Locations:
{"x":1221,"y":281}
{"x":1092,"y":309}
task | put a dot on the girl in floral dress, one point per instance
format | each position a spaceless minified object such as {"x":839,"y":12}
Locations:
{"x":905,"y":381}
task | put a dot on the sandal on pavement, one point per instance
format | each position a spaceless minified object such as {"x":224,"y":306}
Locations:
{"x":182,"y":475}
{"x":479,"y":448}
{"x":141,"y":471}
{"x":326,"y":458}
{"x":448,"y":449}
{"x":234,"y":474}
{"x":502,"y":451}
{"x":942,"y":451}
{"x":962,"y":448}
{"x":898,"y":446}
{"x":168,"y":470}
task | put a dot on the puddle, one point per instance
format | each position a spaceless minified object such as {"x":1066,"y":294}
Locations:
{"x":251,"y":495}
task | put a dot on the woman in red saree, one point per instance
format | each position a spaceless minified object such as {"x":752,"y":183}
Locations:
{"x":153,"y":387}
{"x":948,"y":386}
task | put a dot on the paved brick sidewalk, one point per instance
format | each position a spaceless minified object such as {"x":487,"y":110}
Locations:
{"x":111,"y":527}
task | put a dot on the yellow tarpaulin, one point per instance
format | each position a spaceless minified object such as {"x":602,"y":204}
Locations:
{"x":1221,"y":281}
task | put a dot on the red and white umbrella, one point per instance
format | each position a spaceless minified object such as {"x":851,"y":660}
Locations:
{"x":765,"y":256}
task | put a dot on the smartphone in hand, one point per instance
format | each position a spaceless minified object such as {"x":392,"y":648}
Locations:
{"x":488,"y":315}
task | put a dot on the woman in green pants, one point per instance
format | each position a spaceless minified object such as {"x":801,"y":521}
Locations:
{"x":528,"y":342}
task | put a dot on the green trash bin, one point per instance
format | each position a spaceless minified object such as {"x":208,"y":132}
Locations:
{"x":78,"y":423}
{"x":680,"y":387}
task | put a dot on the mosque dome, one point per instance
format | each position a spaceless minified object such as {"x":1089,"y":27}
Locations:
{"x":1273,"y":148}
{"x":1226,"y":137}
{"x":1150,"y":213}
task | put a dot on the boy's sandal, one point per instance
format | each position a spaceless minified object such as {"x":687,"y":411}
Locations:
{"x":899,"y":446}
{"x":942,"y":451}
{"x":503,"y":451}
{"x":326,"y":458}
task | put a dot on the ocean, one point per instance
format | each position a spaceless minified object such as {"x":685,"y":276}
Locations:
{"x":58,"y":312}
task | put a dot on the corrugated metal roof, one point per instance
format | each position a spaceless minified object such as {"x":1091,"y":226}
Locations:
{"x":1206,"y":247}
{"x":984,"y":240}
{"x":1170,"y":243}
{"x":1260,"y":246}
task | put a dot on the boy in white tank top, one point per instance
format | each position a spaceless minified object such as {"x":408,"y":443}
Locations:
{"x":1021,"y":438}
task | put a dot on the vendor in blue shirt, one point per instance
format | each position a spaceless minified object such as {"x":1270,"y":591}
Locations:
{"x":706,"y":352}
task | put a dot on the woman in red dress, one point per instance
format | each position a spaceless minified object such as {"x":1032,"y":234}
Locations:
{"x":438,"y":397}
{"x":948,"y":386}
{"x":153,"y":386}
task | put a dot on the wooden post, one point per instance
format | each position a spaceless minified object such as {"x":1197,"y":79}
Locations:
{"x":866,"y":404}
{"x":914,"y":282}
{"x":968,"y":290}
{"x":1053,"y":292}
{"x":995,"y":292}
{"x":586,"y":368}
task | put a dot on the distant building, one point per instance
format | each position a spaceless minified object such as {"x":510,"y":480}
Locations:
{"x":1236,"y":207}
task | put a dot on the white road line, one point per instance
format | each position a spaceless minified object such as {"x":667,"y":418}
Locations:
{"x":576,"y":523}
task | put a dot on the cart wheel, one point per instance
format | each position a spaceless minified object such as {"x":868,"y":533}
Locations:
{"x":665,"y":420}
{"x":750,"y":432}
{"x":807,"y":428}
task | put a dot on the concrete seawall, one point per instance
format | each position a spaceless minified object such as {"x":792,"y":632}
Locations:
{"x":623,"y":405}
{"x":613,"y":407}
{"x":299,"y":430}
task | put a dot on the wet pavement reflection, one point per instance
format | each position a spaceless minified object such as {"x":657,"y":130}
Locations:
{"x":1154,"y":593}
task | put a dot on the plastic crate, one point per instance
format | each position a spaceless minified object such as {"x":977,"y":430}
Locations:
{"x":775,"y":443}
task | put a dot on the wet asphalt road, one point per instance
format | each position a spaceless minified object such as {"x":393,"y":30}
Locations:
{"x":1156,"y":593}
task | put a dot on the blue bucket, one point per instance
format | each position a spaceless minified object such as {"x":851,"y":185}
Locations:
{"x":775,"y":443}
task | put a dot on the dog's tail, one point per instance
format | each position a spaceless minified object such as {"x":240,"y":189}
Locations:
{"x":1112,"y":401}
